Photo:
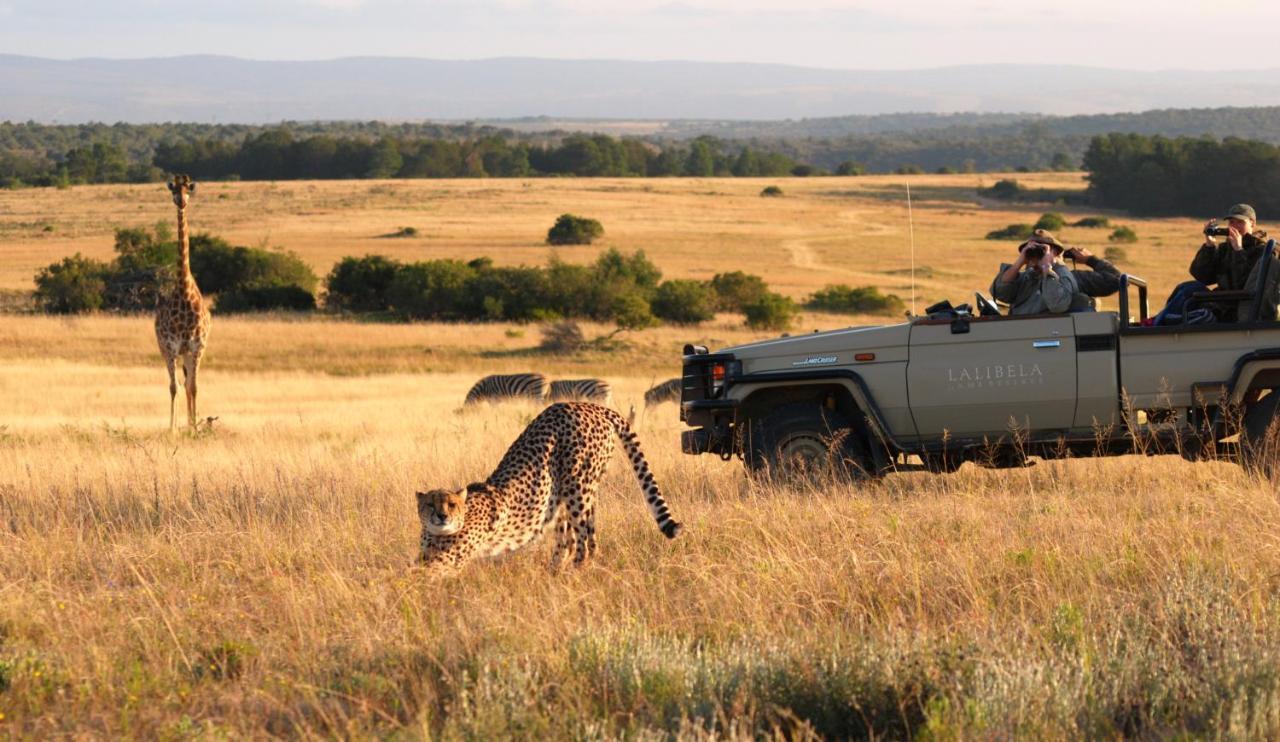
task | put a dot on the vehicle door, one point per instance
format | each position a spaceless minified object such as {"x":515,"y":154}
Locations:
{"x":987,"y":376}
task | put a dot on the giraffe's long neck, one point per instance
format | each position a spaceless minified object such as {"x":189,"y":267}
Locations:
{"x":185,"y":279}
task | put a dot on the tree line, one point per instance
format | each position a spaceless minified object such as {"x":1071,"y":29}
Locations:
{"x":1157,"y":175}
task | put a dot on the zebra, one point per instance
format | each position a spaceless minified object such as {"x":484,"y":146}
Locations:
{"x":585,"y":390}
{"x":508,"y":386}
{"x":667,"y":391}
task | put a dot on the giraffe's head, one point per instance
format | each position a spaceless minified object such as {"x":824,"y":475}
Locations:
{"x":182,"y":189}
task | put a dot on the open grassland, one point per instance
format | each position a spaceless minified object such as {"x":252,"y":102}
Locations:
{"x":255,"y":579}
{"x":823,"y":230}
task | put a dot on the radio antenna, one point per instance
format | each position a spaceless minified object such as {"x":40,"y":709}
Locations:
{"x":911,"y":231}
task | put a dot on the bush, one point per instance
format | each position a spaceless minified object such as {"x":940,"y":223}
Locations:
{"x":735,"y":290}
{"x":1012,"y":232}
{"x":849,"y":167}
{"x":574,"y":230}
{"x":1093,"y":222}
{"x":632,"y":312}
{"x":1115,"y":254}
{"x":1005,"y":190}
{"x":861,"y":300}
{"x":432,"y":289}
{"x":218,"y":267}
{"x":265,"y":298}
{"x":909,"y":170}
{"x":1051,"y":221}
{"x":401,"y":232}
{"x":770,"y":312}
{"x":771,"y":191}
{"x":684,"y":302}
{"x":361,"y":284}
{"x":74,"y":285}
{"x":1123,"y":234}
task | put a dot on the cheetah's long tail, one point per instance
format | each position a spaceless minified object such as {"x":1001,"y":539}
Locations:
{"x":657,"y":506}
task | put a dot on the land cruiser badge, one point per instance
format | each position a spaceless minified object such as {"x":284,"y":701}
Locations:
{"x":816,"y":361}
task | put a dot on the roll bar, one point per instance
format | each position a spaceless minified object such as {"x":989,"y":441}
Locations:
{"x":1126,"y":281}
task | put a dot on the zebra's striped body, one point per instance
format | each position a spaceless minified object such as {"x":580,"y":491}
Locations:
{"x":667,"y":391}
{"x":508,"y":386}
{"x":581,"y":390}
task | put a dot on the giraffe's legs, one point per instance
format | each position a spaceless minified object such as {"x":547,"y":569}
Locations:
{"x":173,"y":388}
{"x":190,"y":366}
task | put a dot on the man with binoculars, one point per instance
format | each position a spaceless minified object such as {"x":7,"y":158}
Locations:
{"x":1039,"y":282}
{"x":1225,"y":266}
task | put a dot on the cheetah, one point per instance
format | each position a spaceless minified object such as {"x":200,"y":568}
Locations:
{"x":550,"y":474}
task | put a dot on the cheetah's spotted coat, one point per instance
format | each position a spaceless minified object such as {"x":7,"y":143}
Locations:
{"x":550,"y":474}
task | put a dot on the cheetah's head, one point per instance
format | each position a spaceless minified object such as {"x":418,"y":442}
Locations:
{"x":442,"y":511}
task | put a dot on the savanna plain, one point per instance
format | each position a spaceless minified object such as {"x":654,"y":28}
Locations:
{"x":255,"y":579}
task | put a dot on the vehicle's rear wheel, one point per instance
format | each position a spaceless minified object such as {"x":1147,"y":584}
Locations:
{"x":806,"y":441}
{"x":1260,"y":436}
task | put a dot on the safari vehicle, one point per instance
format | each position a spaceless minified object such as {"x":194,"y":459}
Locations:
{"x":958,"y":385}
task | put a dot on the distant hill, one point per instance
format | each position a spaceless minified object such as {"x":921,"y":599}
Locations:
{"x":229,"y":90}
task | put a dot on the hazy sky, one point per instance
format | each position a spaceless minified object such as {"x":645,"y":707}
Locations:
{"x":858,"y":34}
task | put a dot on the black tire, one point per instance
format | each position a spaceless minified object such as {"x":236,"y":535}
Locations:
{"x":1259,"y":437}
{"x":806,"y":441}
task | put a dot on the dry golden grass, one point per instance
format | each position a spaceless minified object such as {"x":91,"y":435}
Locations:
{"x":255,"y":580}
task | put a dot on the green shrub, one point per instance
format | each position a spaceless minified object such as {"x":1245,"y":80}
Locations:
{"x":361,"y":284}
{"x":909,"y":170}
{"x":632,"y":312}
{"x":574,"y":230}
{"x":684,"y":302}
{"x":518,"y":294}
{"x":849,"y":167}
{"x":432,"y":289}
{"x":860,"y":300}
{"x":1051,"y":221}
{"x":1012,"y":232}
{"x":736,"y":289}
{"x":770,"y":312}
{"x":1115,"y":254}
{"x":945,"y":170}
{"x":1092,"y":222}
{"x":1123,"y":234}
{"x":771,"y":191}
{"x":401,"y":232}
{"x":218,"y":267}
{"x":1005,"y":190}
{"x":74,"y":285}
{"x":265,"y":298}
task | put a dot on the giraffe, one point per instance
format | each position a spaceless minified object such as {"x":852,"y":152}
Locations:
{"x":182,"y":317}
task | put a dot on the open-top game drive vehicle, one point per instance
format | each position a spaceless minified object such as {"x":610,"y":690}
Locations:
{"x":955,"y":386}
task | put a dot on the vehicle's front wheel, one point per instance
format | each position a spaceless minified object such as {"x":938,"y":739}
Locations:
{"x":1260,"y":436}
{"x":806,"y":441}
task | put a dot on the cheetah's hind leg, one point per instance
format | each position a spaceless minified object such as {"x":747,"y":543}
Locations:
{"x":564,"y":539}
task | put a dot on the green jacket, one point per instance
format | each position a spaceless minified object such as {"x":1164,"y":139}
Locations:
{"x":1030,"y":293}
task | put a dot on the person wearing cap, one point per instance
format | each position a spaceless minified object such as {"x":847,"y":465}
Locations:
{"x":1218,"y":266}
{"x":1038,"y":282}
